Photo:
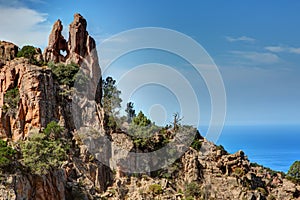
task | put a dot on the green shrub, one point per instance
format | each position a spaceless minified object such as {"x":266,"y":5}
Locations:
{"x":255,"y":165}
{"x":143,"y":136}
{"x":239,"y":172}
{"x":263,"y":191}
{"x":294,"y":172}
{"x":6,"y":155}
{"x":141,"y":120}
{"x":220,"y":147}
{"x":43,"y":151}
{"x":155,"y":189}
{"x":53,"y":130}
{"x":29,"y":52}
{"x":196,"y":144}
{"x":192,"y":190}
{"x":111,"y":100}
{"x":65,"y":74}
{"x":11,"y":101}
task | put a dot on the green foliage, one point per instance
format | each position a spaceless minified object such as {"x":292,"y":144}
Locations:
{"x":263,"y":191}
{"x":6,"y":155}
{"x":192,"y":190}
{"x":255,"y":165}
{"x":141,"y":120}
{"x":271,"y":197}
{"x":130,"y":111}
{"x":11,"y":101}
{"x":29,"y":52}
{"x":111,"y":100}
{"x":155,"y":189}
{"x":268,"y":170}
{"x":220,"y":147}
{"x":196,"y":144}
{"x":111,"y":122}
{"x":65,"y":74}
{"x":239,"y":172}
{"x":53,"y":130}
{"x":142,"y":135}
{"x":294,"y":172}
{"x":42,"y":151}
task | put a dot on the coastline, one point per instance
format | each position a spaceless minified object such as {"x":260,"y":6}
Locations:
{"x":272,"y":146}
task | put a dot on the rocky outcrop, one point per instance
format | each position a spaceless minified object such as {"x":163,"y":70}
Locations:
{"x":229,"y":163}
{"x":192,"y":169}
{"x":8,"y":51}
{"x":37,"y":105}
{"x":46,"y":187}
{"x":40,"y":99}
{"x":57,"y":43}
{"x":80,"y":49}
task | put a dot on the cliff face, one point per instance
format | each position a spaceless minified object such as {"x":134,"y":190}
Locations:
{"x":37,"y":105}
{"x":206,"y":173}
{"x":8,"y":51}
{"x":40,"y":101}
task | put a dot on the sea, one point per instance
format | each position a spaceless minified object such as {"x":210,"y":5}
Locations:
{"x":276,"y":146}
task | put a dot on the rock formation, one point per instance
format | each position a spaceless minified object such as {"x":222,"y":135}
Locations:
{"x":206,"y":173}
{"x":37,"y":105}
{"x":40,"y":101}
{"x":56,"y":44}
{"x":79,"y":46}
{"x":80,"y":49}
{"x":8,"y":51}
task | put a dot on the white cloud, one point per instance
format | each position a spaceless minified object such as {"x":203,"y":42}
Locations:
{"x":240,"y":39}
{"x":294,"y":50}
{"x":22,"y":25}
{"x":280,"y":49}
{"x":275,"y":49}
{"x":257,"y":57}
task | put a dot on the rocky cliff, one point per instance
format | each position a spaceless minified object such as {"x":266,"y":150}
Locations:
{"x":205,"y":172}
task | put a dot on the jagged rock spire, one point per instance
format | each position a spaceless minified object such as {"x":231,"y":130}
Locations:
{"x":80,"y":49}
{"x":79,"y":46}
{"x":57,"y":43}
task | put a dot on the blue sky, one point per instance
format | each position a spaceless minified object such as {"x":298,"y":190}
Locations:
{"x":255,"y":44}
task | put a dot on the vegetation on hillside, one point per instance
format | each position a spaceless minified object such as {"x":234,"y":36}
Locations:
{"x":294,"y":172}
{"x":130,"y":111}
{"x":64,"y":74}
{"x":7,"y":155}
{"x":11,"y":101}
{"x":44,"y":151}
{"x":111,"y":102}
{"x":29,"y":52}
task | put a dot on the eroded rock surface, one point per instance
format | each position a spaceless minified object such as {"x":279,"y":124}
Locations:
{"x":8,"y":51}
{"x":57,"y":43}
{"x":37,"y":105}
{"x":80,"y":49}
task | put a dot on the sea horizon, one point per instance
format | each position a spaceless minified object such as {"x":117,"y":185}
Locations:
{"x":273,"y":146}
